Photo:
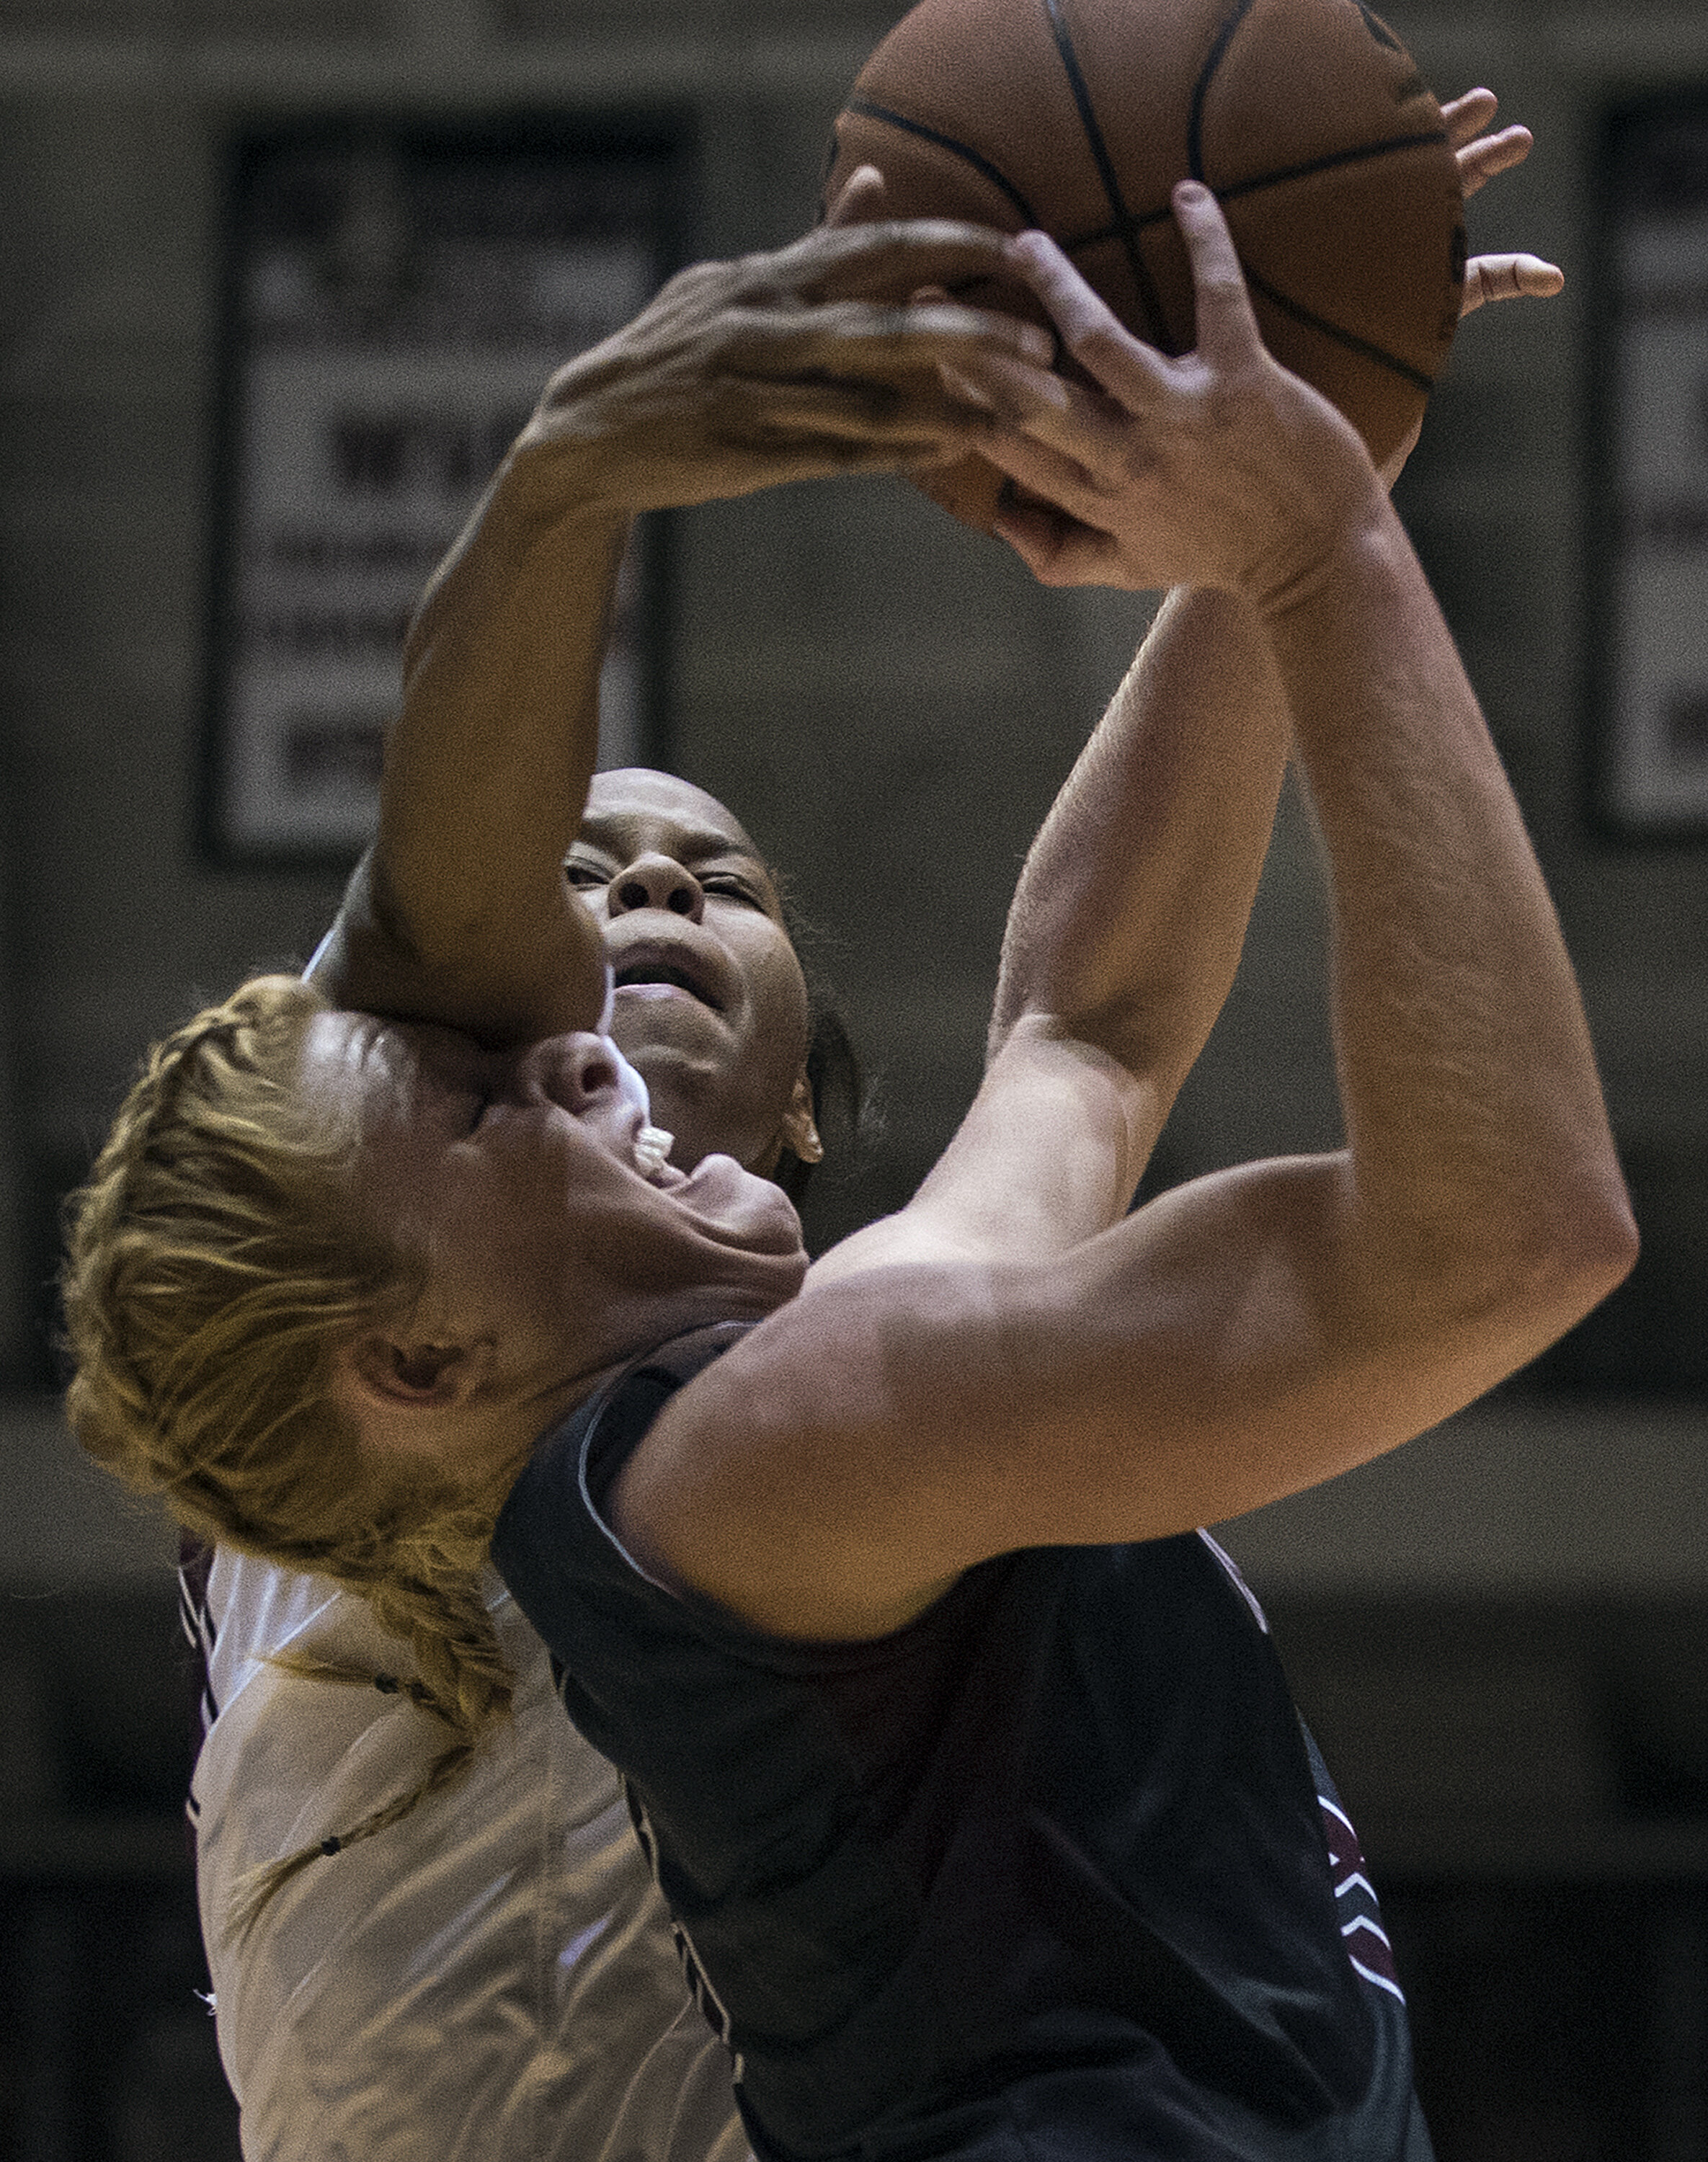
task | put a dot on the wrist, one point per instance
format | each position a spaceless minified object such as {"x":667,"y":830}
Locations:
{"x":1364,"y":536}
{"x":553,"y":477}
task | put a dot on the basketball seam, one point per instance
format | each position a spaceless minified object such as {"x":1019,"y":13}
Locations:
{"x":1127,"y":225}
{"x":965,"y":151}
{"x":1350,"y":339}
{"x":1283,"y":176}
{"x":1335,"y":159}
{"x":1201,"y":89}
{"x":1301,"y":314}
{"x":1280,"y":178}
{"x":1102,"y":232}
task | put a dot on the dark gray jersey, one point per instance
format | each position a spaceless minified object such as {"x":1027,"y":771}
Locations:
{"x":1042,"y":1875}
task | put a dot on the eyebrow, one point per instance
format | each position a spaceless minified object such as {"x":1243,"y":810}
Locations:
{"x":600,"y":830}
{"x":450,"y":1058}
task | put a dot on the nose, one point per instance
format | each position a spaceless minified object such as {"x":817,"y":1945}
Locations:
{"x":656,"y":880}
{"x":575,"y":1072}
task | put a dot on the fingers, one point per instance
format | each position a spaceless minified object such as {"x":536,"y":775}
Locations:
{"x":762,"y":433}
{"x":1489,"y":154}
{"x":916,"y":380}
{"x":1058,"y":549}
{"x":1049,"y":473}
{"x":883,"y":261}
{"x":1481,"y":154}
{"x":1469,"y":115}
{"x":1090,"y":330}
{"x":974,"y":366}
{"x":1227,"y":329}
{"x":912,"y":419}
{"x":1079,"y":313}
{"x":859,"y":200}
{"x":1508,"y":278}
{"x":1008,"y":390}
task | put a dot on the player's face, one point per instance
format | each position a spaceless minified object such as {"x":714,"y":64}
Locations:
{"x":710,"y":1003}
{"x":512,"y":1179}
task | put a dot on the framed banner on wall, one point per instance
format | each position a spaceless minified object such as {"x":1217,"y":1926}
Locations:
{"x":397,"y":295}
{"x":1648,"y":624}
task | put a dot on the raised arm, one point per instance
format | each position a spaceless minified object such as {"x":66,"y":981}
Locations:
{"x":1128,"y":921}
{"x":1120,"y":947}
{"x":1264,"y":1328}
{"x":1473,"y":1109}
{"x":738,"y":377}
{"x":1131,"y":912}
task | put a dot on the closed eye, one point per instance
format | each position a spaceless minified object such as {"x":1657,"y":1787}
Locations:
{"x":727,"y":887}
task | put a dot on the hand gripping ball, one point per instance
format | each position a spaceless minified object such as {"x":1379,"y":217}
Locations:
{"x":1308,"y":118}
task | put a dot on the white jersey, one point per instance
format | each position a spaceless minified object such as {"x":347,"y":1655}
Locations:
{"x":491,"y":1980}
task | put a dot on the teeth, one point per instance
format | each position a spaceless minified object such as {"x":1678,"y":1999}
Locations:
{"x":652,"y":1148}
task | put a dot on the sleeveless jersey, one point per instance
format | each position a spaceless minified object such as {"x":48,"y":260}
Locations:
{"x":1045,"y":1874}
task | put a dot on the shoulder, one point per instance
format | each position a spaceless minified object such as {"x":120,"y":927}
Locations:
{"x":789,"y":1482}
{"x":556,"y":1544}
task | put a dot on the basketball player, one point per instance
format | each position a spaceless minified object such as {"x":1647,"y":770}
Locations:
{"x":965,"y":1768}
{"x":495,"y":1977}
{"x":378,"y":2110}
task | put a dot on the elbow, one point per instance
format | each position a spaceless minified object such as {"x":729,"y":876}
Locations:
{"x":1606,"y":1242}
{"x":1584,"y":1250}
{"x":1512,"y":1281}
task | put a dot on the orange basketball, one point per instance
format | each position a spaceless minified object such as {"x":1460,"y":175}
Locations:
{"x":1308,"y":118}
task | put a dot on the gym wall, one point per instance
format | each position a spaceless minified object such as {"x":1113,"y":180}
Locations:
{"x":1495,"y":1630}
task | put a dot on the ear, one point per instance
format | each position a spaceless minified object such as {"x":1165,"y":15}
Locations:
{"x":378,"y":1371}
{"x":799,"y":1131}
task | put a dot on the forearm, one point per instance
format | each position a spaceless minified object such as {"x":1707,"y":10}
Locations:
{"x":1478,"y":1140}
{"x":460,"y":912}
{"x":736,"y":376}
{"x":1127,"y":925}
{"x":487,"y":768}
{"x":1128,"y":921}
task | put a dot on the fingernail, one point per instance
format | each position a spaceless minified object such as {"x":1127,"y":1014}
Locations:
{"x":1192,"y":193}
{"x":963,"y":387}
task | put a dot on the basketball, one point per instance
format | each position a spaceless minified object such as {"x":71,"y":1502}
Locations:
{"x":1308,"y":118}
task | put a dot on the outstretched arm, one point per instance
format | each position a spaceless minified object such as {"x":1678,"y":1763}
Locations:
{"x":1448,"y":966}
{"x":738,"y":377}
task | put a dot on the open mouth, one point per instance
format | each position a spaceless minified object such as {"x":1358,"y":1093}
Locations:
{"x":664,"y":975}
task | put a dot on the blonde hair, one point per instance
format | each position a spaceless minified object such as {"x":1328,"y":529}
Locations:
{"x":216,"y":1263}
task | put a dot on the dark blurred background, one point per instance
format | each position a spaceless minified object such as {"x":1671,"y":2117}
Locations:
{"x":1502,"y":1633}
